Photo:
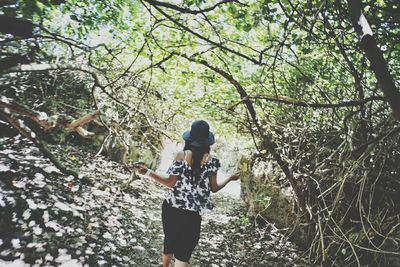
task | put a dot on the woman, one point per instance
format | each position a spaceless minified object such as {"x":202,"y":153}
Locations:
{"x":192,"y":175}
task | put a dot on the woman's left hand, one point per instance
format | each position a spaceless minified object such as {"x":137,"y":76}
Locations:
{"x":235,"y":176}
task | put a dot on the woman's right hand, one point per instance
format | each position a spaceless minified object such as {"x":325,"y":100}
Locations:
{"x":140,"y":168}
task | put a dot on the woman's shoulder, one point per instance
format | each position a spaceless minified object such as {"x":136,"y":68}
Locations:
{"x":179,"y":155}
{"x":183,"y":155}
{"x":178,"y":163}
{"x":213,"y":157}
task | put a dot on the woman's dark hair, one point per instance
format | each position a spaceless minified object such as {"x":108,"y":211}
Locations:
{"x":197,"y":155}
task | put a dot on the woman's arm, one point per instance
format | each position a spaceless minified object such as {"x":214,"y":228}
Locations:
{"x":215,"y":187}
{"x":168,"y":181}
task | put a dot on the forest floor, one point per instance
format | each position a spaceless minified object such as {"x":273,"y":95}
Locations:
{"x":51,"y":219}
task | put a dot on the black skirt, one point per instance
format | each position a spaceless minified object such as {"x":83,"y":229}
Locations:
{"x":181,"y":231}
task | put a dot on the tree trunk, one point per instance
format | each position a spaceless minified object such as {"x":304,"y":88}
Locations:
{"x":375,"y":56}
{"x":16,"y":26}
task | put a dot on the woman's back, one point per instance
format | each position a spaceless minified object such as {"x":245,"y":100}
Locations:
{"x":187,"y":156}
{"x":188,"y":192}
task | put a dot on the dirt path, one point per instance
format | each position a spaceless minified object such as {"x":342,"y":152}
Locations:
{"x":231,"y":239}
{"x":50,"y":219}
{"x":228,"y":238}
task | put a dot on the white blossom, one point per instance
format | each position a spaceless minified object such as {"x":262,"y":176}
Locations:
{"x":32,"y":205}
{"x":50,"y":169}
{"x":42,"y":115}
{"x":16,"y":263}
{"x":27,"y":214}
{"x":16,"y":243}
{"x":4,"y":168}
{"x":19,"y":184}
{"x":46,"y":216}
{"x":52,"y":224}
{"x":71,"y":263}
{"x":37,"y":230}
{"x":48,"y":257}
{"x":62,"y":206}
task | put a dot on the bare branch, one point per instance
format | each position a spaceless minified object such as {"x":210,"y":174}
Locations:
{"x":84,"y":120}
{"x":267,"y":138}
{"x":300,"y":103}
{"x":255,"y":61}
{"x":187,"y":10}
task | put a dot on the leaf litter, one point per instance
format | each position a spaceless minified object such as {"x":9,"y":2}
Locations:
{"x":52,"y":219}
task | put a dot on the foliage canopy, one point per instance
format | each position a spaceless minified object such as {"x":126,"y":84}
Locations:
{"x":288,"y":76}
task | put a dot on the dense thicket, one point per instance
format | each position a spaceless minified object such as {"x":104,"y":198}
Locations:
{"x":315,"y":93}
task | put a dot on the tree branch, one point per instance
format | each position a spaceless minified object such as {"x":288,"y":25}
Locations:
{"x":300,"y":103}
{"x":84,"y":120}
{"x":255,"y":61}
{"x":187,"y":10}
{"x":9,"y":105}
{"x":267,"y":138}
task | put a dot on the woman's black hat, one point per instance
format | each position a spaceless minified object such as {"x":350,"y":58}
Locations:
{"x":199,"y":134}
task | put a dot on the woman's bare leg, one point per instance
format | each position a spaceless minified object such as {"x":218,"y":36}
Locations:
{"x":179,"y":263}
{"x":166,"y":259}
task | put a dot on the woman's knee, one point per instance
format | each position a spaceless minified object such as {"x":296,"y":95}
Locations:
{"x":168,"y":255}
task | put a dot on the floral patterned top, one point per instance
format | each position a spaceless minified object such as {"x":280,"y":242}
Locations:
{"x":187,"y":193}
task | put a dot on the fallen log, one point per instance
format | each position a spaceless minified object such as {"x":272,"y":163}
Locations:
{"x":48,"y":123}
{"x":84,"y":120}
{"x":9,"y":105}
{"x":31,"y":135}
{"x":16,"y":114}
